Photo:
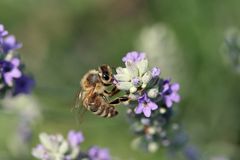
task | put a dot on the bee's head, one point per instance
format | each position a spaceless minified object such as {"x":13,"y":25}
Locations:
{"x":105,"y":74}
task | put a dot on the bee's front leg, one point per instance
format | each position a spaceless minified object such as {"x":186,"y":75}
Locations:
{"x":111,"y":93}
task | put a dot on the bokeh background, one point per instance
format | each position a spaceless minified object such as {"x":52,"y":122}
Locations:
{"x":63,"y":39}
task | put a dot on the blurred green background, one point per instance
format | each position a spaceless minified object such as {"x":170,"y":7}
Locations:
{"x":64,"y":39}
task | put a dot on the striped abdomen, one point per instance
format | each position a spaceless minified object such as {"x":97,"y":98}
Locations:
{"x":98,"y":105}
{"x":106,"y":110}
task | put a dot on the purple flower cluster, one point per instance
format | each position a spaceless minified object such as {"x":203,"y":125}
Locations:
{"x":150,"y":91}
{"x":12,"y":78}
{"x":54,"y":147}
{"x":151,"y":100}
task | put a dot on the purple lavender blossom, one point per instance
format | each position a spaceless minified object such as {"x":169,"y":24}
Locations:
{"x":75,"y":138}
{"x":145,"y":105}
{"x":9,"y":44}
{"x":170,"y":93}
{"x":40,"y":152}
{"x":9,"y":70}
{"x":96,"y":153}
{"x":156,"y":71}
{"x":134,"y":57}
{"x":136,"y":81}
{"x":3,"y":33}
{"x":23,"y":84}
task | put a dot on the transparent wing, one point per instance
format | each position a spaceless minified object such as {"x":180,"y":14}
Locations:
{"x":78,"y":108}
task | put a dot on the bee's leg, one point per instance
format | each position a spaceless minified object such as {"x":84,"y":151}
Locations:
{"x":113,"y":92}
{"x":119,"y":100}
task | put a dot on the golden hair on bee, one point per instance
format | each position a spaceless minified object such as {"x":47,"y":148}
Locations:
{"x":95,"y":96}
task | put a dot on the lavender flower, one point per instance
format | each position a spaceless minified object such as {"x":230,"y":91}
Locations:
{"x":12,"y":78}
{"x":134,"y":76}
{"x":40,"y":152}
{"x":3,"y":33}
{"x":23,"y":84}
{"x":145,"y":105}
{"x":170,"y":93}
{"x":155,"y":72}
{"x":54,"y":147}
{"x":149,"y":94}
{"x":10,"y":44}
{"x":96,"y":153}
{"x":75,"y":138}
{"x":9,"y":70}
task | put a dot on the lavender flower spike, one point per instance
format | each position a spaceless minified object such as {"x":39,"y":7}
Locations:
{"x":13,"y":81}
{"x":134,"y":57}
{"x":52,"y":147}
{"x":145,"y":105}
{"x":96,"y":153}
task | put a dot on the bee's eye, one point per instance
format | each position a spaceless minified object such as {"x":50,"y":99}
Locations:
{"x":105,"y":77}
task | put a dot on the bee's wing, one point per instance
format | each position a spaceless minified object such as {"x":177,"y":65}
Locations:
{"x":78,"y":108}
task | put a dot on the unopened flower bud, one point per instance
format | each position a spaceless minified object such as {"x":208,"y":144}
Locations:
{"x":153,"y":93}
{"x":133,"y":89}
{"x":146,"y":77}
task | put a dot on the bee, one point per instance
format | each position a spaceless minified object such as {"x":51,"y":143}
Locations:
{"x":95,"y":96}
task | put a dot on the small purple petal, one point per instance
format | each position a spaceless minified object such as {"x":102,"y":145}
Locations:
{"x":165,"y":87}
{"x":75,"y":138}
{"x":16,"y":73}
{"x":10,"y":43}
{"x":135,"y":81}
{"x":93,"y":151}
{"x":133,"y":57}
{"x":142,"y":99}
{"x":8,"y":79}
{"x":104,"y":154}
{"x":3,"y":32}
{"x":155,"y":72}
{"x":96,"y":153}
{"x":175,"y":97}
{"x":139,"y":108}
{"x":15,"y":62}
{"x":168,"y":101}
{"x":152,"y":105}
{"x":175,"y":86}
{"x":147,"y":111}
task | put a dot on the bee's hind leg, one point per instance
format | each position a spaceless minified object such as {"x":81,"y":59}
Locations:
{"x":119,"y":100}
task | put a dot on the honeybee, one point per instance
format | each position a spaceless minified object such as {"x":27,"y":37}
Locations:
{"x":95,"y":96}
